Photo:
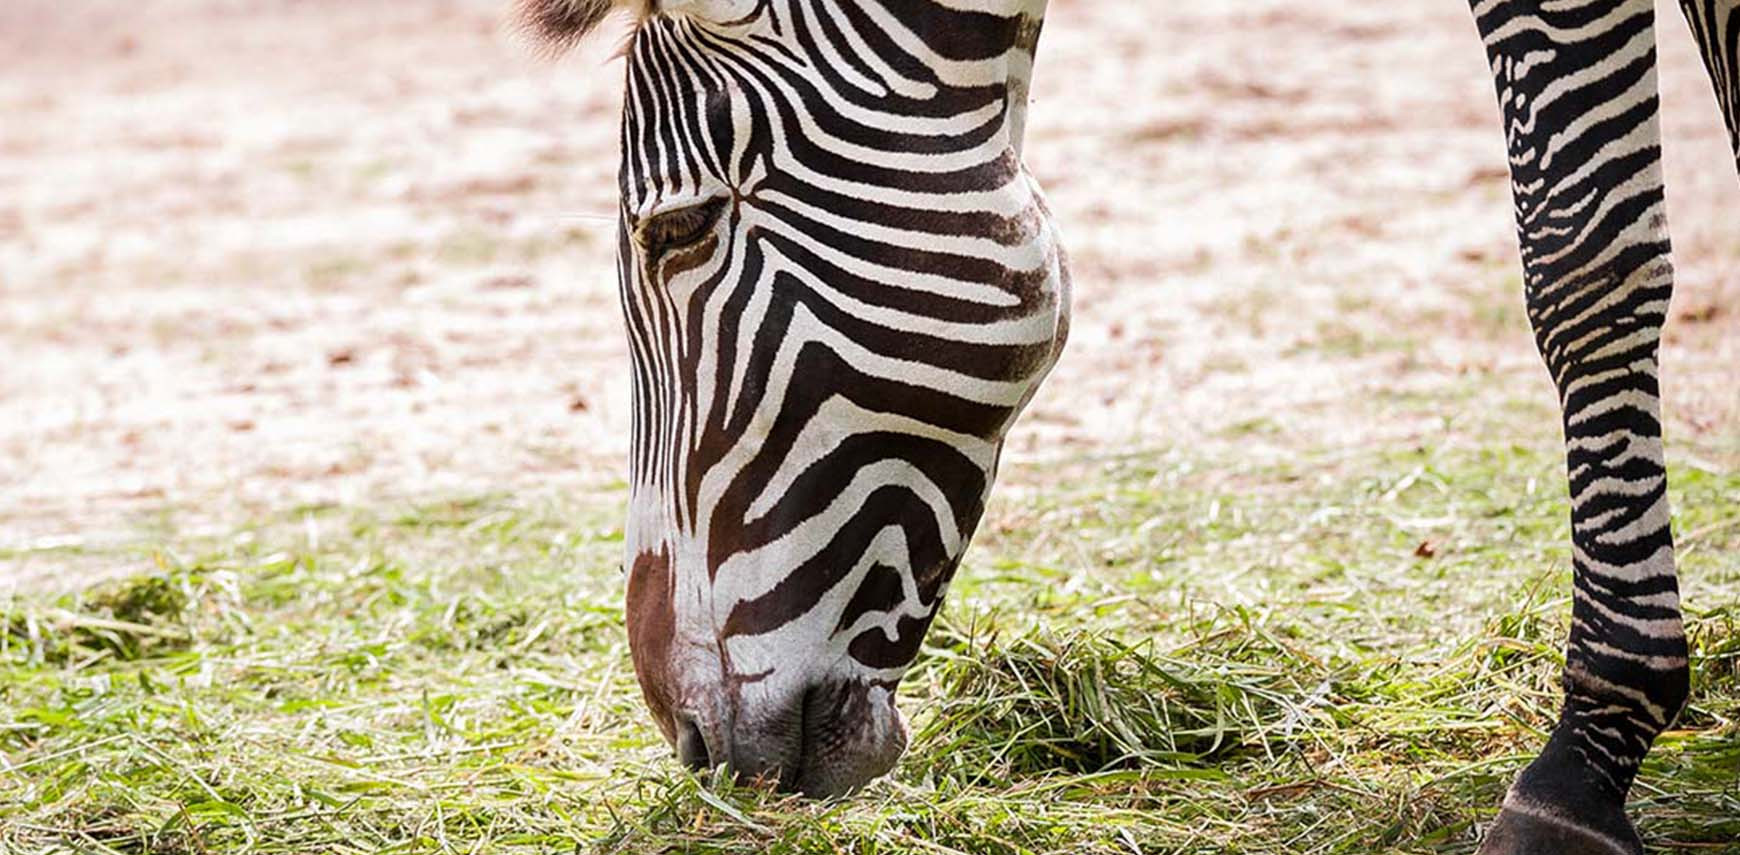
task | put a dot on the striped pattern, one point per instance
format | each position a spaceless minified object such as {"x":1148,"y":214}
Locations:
{"x":1716,"y":26}
{"x":1576,"y":82}
{"x":867,"y":293}
{"x":841,"y":288}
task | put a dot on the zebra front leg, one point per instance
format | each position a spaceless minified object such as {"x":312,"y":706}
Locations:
{"x":1577,"y":87}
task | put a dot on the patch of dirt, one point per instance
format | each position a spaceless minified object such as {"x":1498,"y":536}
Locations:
{"x":260,"y":253}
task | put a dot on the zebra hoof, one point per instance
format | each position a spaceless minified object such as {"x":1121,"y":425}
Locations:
{"x":1536,"y":830}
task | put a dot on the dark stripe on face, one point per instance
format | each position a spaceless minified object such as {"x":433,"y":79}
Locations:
{"x":804,"y":586}
{"x":880,"y":591}
{"x":873,"y":647}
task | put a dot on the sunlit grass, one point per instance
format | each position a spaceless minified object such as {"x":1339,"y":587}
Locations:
{"x":1150,"y":652}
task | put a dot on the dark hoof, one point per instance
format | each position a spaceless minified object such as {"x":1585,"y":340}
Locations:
{"x":1526,"y":828}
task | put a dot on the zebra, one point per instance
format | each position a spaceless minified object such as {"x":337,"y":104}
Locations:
{"x":841,"y":286}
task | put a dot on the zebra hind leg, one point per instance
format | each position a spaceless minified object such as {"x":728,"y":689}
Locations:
{"x":1715,"y":26}
{"x":1576,"y":82}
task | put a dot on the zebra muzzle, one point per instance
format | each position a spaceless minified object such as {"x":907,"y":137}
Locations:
{"x":829,"y":741}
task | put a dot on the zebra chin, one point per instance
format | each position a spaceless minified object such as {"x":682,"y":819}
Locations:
{"x":828,"y":741}
{"x":831,"y":740}
{"x":821,"y":725}
{"x":853,"y":734}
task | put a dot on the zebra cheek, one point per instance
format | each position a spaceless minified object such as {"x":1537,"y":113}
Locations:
{"x":651,"y":622}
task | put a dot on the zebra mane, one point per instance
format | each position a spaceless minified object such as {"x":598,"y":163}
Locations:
{"x":554,"y":27}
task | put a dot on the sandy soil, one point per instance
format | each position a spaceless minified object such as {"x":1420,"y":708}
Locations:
{"x":258,"y":254}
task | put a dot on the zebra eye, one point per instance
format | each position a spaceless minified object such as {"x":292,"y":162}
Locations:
{"x":676,"y":229}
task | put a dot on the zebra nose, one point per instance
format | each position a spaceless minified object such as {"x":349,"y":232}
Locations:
{"x":692,"y":745}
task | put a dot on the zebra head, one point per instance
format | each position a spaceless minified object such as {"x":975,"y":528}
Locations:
{"x":840,"y":288}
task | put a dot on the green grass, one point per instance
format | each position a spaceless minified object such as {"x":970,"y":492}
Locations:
{"x":1146,"y":653}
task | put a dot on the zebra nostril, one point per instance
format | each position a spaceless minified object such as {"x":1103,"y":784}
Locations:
{"x":692,"y":745}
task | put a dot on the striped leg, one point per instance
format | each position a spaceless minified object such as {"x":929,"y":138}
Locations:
{"x":1716,"y":26}
{"x":1577,"y":86}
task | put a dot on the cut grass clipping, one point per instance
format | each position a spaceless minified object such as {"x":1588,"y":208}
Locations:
{"x":1142,"y":655}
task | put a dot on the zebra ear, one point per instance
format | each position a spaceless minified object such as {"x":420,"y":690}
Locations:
{"x":554,"y":27}
{"x":717,"y":11}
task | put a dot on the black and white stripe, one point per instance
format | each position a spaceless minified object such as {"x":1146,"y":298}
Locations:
{"x":1576,"y":82}
{"x":841,"y":288}
{"x":1716,"y":27}
{"x":824,"y":373}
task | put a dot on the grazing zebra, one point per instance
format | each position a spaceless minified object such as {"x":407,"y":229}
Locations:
{"x":841,"y":286}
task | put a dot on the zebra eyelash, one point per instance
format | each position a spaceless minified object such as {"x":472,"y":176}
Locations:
{"x":672,"y":230}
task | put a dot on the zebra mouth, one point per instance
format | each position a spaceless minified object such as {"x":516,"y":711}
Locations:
{"x":850,"y":738}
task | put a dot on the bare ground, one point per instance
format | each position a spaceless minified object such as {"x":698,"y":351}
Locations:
{"x":260,"y":255}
